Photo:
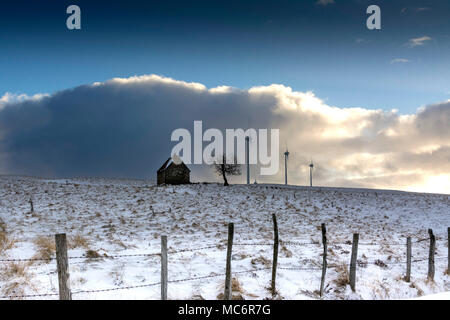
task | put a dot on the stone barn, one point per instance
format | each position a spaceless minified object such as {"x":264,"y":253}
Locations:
{"x":173,"y":173}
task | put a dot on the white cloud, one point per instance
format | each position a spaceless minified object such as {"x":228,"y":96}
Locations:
{"x":415,"y":9}
{"x":9,"y":97}
{"x":399,"y":60}
{"x":416,"y":42}
{"x":325,"y":2}
{"x":361,"y":40}
{"x":420,"y":9}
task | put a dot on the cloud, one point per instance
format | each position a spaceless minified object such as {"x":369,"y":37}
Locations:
{"x":12,"y":98}
{"x":325,"y":2}
{"x":415,"y":42}
{"x":361,"y":40}
{"x":423,"y":9}
{"x":415,"y":9}
{"x":399,"y":60}
{"x":122,"y":128}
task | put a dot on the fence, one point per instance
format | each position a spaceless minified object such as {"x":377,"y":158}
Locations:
{"x":65,"y":293}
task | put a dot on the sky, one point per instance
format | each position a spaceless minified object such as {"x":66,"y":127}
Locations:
{"x":371,"y":106}
{"x":325,"y":48}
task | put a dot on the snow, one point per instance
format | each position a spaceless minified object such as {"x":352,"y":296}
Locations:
{"x":438,"y":296}
{"x":124,"y":217}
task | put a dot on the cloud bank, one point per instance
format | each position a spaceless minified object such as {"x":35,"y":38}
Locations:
{"x":122,"y":128}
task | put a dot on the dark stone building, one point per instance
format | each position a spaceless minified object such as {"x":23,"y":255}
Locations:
{"x":172,"y":173}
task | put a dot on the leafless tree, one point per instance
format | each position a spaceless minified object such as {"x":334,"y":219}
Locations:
{"x":225,"y":169}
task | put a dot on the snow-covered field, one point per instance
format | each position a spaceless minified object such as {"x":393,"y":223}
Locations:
{"x":124,"y":217}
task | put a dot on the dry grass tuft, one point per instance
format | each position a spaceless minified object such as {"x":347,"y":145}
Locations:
{"x":261,"y":261}
{"x":286,"y":251}
{"x":78,"y":241}
{"x":14,"y":270}
{"x":221,"y":296}
{"x":236,"y":286}
{"x":6,"y":242}
{"x":13,"y":288}
{"x":343,"y":277}
{"x":420,"y":292}
{"x":380,"y":290}
{"x":92,"y":254}
{"x":2,"y":225}
{"x":236,"y":291}
{"x":16,"y":279}
{"x":45,"y":247}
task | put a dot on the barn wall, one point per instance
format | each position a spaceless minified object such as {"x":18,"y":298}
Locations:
{"x":177,"y":175}
{"x":160,"y":178}
{"x":174,"y":174}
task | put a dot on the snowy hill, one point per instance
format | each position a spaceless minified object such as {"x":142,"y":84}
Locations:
{"x":117,"y":222}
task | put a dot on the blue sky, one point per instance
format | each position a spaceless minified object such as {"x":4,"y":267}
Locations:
{"x":323,"y":48}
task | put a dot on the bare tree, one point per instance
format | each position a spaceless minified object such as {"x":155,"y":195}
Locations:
{"x":225,"y":169}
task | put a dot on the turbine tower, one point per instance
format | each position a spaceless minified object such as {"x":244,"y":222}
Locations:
{"x":286,"y":157}
{"x":247,"y":156}
{"x":311,"y":166}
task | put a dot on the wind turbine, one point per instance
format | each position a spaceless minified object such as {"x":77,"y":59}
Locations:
{"x":247,"y":149}
{"x":311,"y":166}
{"x":247,"y":157}
{"x":286,"y":157}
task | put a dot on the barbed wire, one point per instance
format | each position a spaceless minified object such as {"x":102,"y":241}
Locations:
{"x":252,"y":244}
{"x":415,"y":260}
{"x":383,"y":264}
{"x":349,"y":243}
{"x":115,"y":256}
{"x":117,"y":288}
{"x":293,"y":243}
{"x":217,"y":246}
{"x":27,"y":259}
{"x":299,"y":268}
{"x":195,"y":249}
{"x":133,"y":287}
{"x":81,"y":257}
{"x":30,"y":295}
{"x":111,"y":256}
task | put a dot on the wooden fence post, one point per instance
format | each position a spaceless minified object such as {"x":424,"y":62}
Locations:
{"x":431,"y":255}
{"x":62,"y":263}
{"x":164,"y":270}
{"x":228,"y":290}
{"x":408,"y":259}
{"x":448,"y":255}
{"x":275,"y":253}
{"x":324,"y":264}
{"x":353,"y":261}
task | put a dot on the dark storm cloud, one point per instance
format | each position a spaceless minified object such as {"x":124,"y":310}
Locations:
{"x":122,"y":128}
{"x":119,"y":128}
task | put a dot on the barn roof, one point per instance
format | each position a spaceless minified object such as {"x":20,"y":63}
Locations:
{"x":170,"y":162}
